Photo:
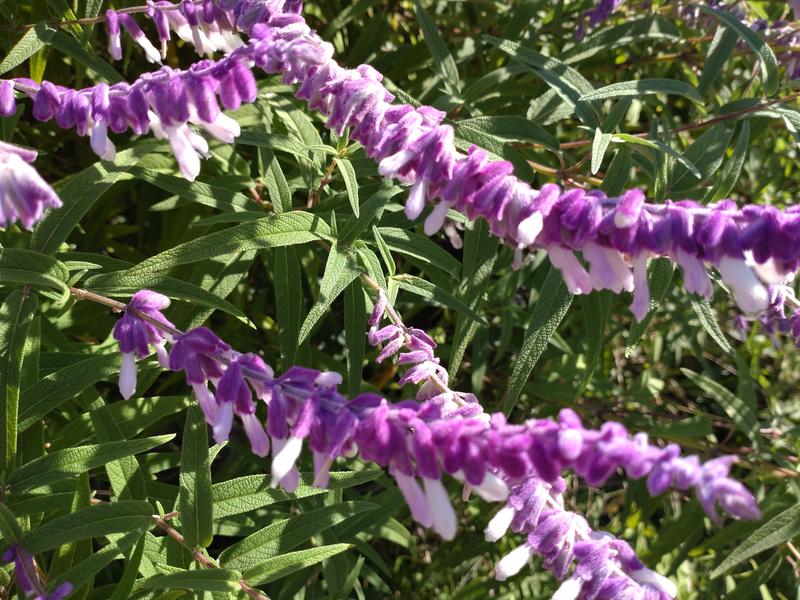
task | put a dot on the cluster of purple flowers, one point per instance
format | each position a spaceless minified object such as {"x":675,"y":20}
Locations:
{"x":752,"y":247}
{"x":23,"y":193}
{"x":28,"y":577}
{"x":204,"y":24}
{"x":419,"y":441}
{"x":165,"y":102}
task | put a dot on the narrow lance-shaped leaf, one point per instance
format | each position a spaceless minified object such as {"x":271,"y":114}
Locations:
{"x":350,"y":181}
{"x":16,"y":316}
{"x":736,"y":408}
{"x":280,"y":537}
{"x":200,"y":580}
{"x":94,"y":521}
{"x":549,"y":309}
{"x":340,"y":269}
{"x":355,"y":325}
{"x":443,"y":63}
{"x":195,"y":500}
{"x":73,"y":461}
{"x":769,"y":64}
{"x":286,"y":564}
{"x":778,"y":530}
{"x":83,"y":571}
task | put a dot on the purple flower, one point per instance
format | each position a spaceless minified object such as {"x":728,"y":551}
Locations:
{"x":234,"y":396}
{"x":28,"y":578}
{"x":113,"y":31}
{"x":8,"y":104}
{"x":23,"y":193}
{"x":135,"y":335}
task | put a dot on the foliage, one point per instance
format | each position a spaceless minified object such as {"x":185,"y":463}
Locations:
{"x":267,"y":247}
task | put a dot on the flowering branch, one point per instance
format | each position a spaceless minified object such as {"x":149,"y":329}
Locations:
{"x":441,"y":432}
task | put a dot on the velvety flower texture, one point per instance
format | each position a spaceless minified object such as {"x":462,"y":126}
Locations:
{"x":445,"y":432}
{"x":28,"y":578}
{"x":23,"y":193}
{"x":165,"y":102}
{"x":136,"y":335}
{"x":752,"y":247}
{"x":424,"y":438}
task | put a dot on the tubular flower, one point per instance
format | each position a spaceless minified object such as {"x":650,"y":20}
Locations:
{"x":443,"y":432}
{"x":23,"y":193}
{"x":28,"y":579}
{"x":135,"y":335}
{"x":616,"y":236}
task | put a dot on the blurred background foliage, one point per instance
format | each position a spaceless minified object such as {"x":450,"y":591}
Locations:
{"x":501,"y":71}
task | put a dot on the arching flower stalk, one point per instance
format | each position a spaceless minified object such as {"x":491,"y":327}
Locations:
{"x":752,"y":247}
{"x":438,"y":433}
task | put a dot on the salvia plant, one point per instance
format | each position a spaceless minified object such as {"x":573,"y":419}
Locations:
{"x":386,"y":299}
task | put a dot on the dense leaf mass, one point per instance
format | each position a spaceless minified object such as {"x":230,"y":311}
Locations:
{"x":323,"y":186}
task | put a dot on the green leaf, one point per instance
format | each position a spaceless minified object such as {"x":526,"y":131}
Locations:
{"x":16,"y":315}
{"x":340,"y":269}
{"x":286,"y":564}
{"x":9,"y":528}
{"x":80,"y":193}
{"x":769,"y":64}
{"x":549,"y":309}
{"x":350,"y":181}
{"x":507,"y":128}
{"x":288,"y":301}
{"x":659,"y":277}
{"x":355,"y":326}
{"x":570,"y":85}
{"x":433,"y":293}
{"x":739,"y":411}
{"x":93,"y":521}
{"x":29,"y":44}
{"x":28,"y":267}
{"x":596,"y":311}
{"x":126,"y":478}
{"x":647,"y":29}
{"x":83,"y":571}
{"x":708,"y":319}
{"x":123,"y":589}
{"x":196,"y":191}
{"x":660,"y":146}
{"x":733,"y":168}
{"x":287,"y":229}
{"x":706,"y":154}
{"x":125,"y":284}
{"x":368,"y":212}
{"x":420,"y":247}
{"x":777,"y":530}
{"x":251,"y":492}
{"x":618,"y":172}
{"x":71,"y":47}
{"x":200,"y":580}
{"x":284,"y":535}
{"x":195,"y":502}
{"x":599,"y":146}
{"x":57,"y":388}
{"x":720,"y":49}
{"x":443,"y":64}
{"x":278,"y":188}
{"x":643,"y":87}
{"x":73,"y":461}
{"x":480,"y":255}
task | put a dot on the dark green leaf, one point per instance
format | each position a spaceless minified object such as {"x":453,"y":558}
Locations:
{"x":73,"y":461}
{"x":94,"y":521}
{"x":549,"y":309}
{"x":195,"y":501}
